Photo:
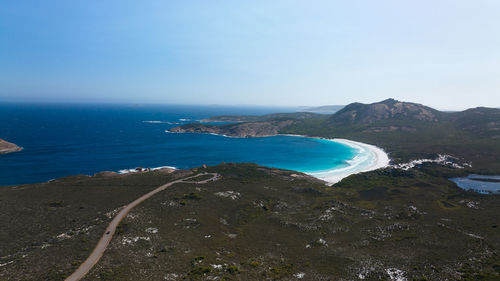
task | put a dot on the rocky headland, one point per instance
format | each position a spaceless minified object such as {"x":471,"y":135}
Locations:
{"x":8,"y":147}
{"x":240,"y":130}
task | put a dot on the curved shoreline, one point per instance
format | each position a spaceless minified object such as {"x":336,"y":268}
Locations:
{"x":369,"y":158}
{"x":377,"y":158}
{"x":374,"y":158}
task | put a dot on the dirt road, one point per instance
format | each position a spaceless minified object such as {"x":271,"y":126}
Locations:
{"x":110,"y":230}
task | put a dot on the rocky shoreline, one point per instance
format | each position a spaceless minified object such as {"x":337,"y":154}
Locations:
{"x":239,"y":130}
{"x":8,"y":147}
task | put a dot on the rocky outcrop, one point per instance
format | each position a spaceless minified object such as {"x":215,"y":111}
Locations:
{"x":8,"y":147}
{"x":390,"y":109}
{"x":240,"y":130}
{"x":106,"y":174}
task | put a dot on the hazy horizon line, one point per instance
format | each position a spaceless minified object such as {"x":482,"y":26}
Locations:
{"x":163,"y":102}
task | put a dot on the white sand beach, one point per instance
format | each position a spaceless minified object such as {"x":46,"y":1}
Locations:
{"x":369,"y":158}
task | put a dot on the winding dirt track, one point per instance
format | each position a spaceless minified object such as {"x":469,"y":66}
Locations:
{"x":110,"y":230}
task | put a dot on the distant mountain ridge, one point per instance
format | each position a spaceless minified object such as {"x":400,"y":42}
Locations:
{"x":325,"y":109}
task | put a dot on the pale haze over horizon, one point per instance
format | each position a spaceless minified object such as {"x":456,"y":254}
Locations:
{"x":444,"y":54}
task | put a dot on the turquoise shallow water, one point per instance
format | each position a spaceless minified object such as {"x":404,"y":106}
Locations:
{"x":61,"y":140}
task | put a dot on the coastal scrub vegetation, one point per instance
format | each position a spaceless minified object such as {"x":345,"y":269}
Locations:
{"x":283,"y":225}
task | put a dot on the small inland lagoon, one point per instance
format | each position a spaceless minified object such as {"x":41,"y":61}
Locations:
{"x":483,"y":184}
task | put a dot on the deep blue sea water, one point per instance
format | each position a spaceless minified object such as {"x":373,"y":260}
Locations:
{"x":67,"y":139}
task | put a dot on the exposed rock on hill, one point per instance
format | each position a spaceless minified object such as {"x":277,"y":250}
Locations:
{"x":358,"y":113}
{"x":241,"y":130}
{"x":8,"y":147}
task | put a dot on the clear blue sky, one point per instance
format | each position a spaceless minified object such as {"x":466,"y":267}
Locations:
{"x":441,"y":53}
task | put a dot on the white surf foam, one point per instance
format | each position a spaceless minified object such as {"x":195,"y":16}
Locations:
{"x":160,"y":122}
{"x":369,"y":158}
{"x":127,"y":171}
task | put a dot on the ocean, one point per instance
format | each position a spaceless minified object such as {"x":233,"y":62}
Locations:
{"x":68,"y":139}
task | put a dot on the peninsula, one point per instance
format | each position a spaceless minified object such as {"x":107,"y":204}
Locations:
{"x":8,"y":147}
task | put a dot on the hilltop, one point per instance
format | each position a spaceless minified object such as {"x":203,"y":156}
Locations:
{"x":390,"y":115}
{"x":390,"y":109}
{"x":8,"y":147}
